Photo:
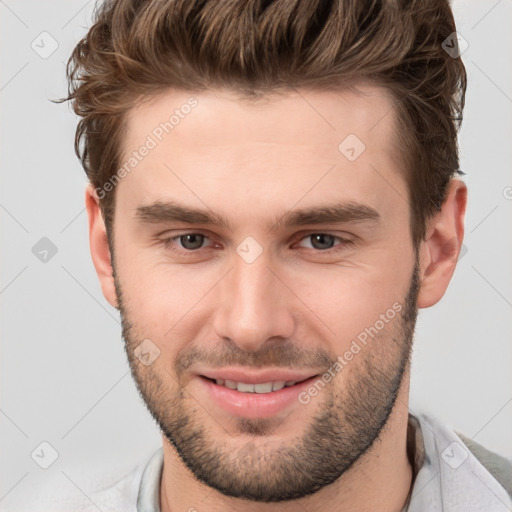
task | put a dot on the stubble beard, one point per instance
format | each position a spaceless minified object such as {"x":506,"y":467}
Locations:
{"x":345,"y":428}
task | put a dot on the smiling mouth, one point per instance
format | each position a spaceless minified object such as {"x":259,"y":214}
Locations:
{"x":260,"y":388}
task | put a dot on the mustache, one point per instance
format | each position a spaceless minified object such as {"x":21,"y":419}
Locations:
{"x":274,"y":354}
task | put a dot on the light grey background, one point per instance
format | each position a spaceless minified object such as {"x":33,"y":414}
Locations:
{"x":64,"y":378}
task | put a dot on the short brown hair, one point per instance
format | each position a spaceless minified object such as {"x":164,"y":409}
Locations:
{"x":137,"y":48}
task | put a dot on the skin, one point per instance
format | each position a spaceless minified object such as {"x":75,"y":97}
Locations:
{"x":296,"y":306}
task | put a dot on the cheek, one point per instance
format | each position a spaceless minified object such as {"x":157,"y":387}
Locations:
{"x":157,"y":301}
{"x":350,"y":300}
{"x":170,"y":302}
{"x":162,"y":299}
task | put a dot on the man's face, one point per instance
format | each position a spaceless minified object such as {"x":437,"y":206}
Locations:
{"x":269,"y":289}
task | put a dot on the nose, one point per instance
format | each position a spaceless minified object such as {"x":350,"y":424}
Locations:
{"x":254,"y":305}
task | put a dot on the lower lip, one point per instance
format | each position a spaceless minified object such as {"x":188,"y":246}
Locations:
{"x":255,"y":405}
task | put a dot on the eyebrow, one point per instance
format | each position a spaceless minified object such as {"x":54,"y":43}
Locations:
{"x":170,"y":211}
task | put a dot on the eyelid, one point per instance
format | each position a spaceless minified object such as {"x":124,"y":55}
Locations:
{"x":343,"y":240}
{"x":299,"y":237}
{"x":168,"y":239}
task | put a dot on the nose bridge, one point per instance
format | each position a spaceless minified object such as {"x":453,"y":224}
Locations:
{"x":251,"y":286}
{"x":252,"y":305}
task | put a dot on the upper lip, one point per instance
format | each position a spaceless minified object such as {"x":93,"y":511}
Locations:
{"x":252,"y":377}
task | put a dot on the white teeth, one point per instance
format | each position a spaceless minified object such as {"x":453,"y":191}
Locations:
{"x":230,"y":384}
{"x":263,"y":388}
{"x":276,"y":386}
{"x":245,"y":388}
{"x":266,"y":387}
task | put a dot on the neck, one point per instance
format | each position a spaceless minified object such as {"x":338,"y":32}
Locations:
{"x":379,"y":480}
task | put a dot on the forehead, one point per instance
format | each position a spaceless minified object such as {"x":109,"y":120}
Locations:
{"x":295,"y":116}
{"x":219,"y":145}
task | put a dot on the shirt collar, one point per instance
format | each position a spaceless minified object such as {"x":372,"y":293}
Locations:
{"x":446,"y":475}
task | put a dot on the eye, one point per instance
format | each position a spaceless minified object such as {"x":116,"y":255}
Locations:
{"x":325,"y":241}
{"x":186,"y":242}
{"x":191,"y":241}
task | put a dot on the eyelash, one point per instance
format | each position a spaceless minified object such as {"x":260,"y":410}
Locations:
{"x":167,"y":243}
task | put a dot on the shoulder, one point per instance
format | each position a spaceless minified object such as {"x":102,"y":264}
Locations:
{"x":467,"y":475}
{"x":499,"y":467}
{"x":88,"y":489}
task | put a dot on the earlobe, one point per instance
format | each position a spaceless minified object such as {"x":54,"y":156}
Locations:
{"x":98,"y":242}
{"x":440,"y":250}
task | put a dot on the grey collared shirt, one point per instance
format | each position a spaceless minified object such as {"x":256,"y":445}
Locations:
{"x":447,"y":476}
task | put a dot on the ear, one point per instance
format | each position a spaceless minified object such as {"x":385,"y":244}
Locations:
{"x":440,"y":250}
{"x":98,"y":243}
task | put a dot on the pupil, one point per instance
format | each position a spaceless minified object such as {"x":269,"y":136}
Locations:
{"x":195,"y":240}
{"x":322,"y":240}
